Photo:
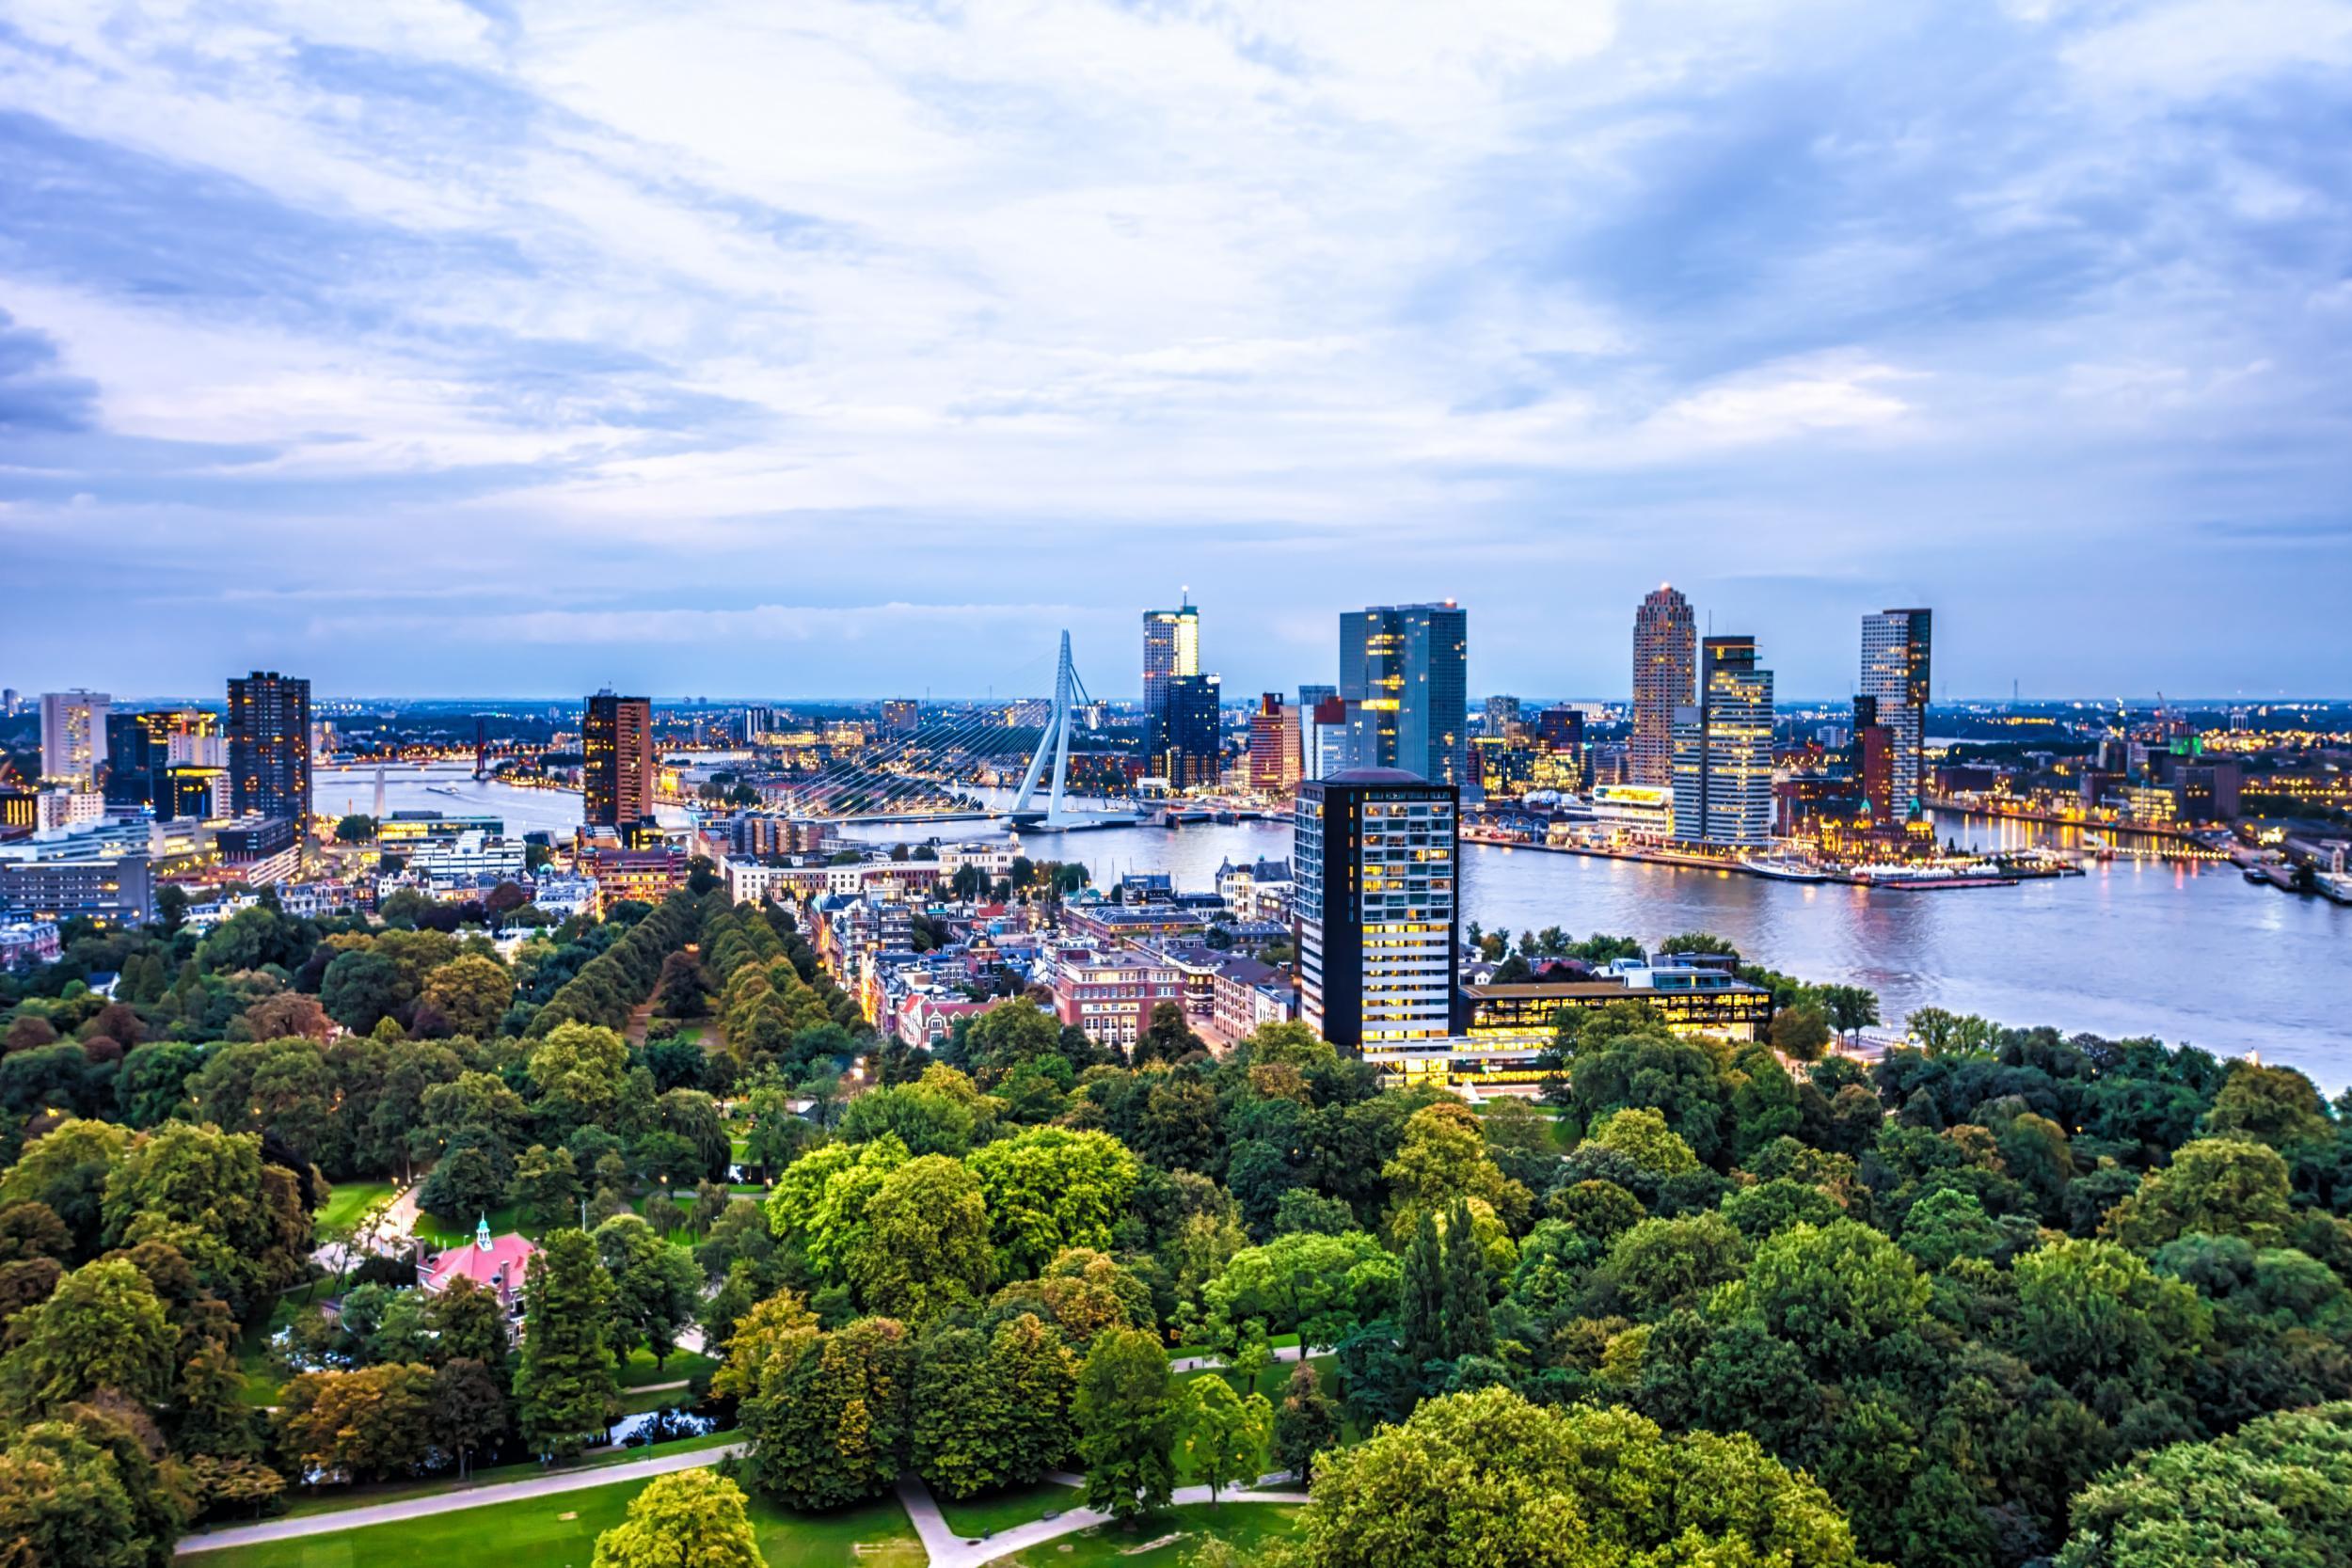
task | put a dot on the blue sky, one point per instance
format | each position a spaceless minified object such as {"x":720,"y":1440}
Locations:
{"x":849,"y":349}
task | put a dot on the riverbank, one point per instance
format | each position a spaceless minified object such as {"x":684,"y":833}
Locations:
{"x":2005,"y":873}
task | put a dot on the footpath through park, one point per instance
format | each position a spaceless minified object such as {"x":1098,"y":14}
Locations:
{"x":444,"y":1502}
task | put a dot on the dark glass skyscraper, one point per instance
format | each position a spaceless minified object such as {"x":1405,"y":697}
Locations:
{"x":1193,"y":742}
{"x":1405,"y":673}
{"x":269,"y":746}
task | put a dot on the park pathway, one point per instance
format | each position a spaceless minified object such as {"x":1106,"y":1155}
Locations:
{"x":946,"y":1549}
{"x":444,"y":1502}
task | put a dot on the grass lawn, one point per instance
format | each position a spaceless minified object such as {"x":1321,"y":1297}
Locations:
{"x":1014,"y":1505}
{"x":638,"y":1371}
{"x":561,"y":1532}
{"x":339,"y":1498}
{"x":346,"y":1203}
{"x":501,"y":1221}
{"x":1171,"y":1538}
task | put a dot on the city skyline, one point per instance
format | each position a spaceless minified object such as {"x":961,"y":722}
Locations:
{"x":581,"y":340}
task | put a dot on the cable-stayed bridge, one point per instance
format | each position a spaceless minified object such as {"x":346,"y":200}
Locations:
{"x":934,"y":773}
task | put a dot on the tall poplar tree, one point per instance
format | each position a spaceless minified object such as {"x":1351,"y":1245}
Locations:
{"x":565,"y":1387}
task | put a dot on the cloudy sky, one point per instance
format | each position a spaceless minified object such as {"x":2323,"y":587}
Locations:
{"x":830,"y":348}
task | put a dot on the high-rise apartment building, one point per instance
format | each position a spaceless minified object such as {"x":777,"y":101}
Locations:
{"x":1171,"y":651}
{"x":1895,"y":649}
{"x":269,"y":746}
{"x":900,"y":715}
{"x":1502,"y":716}
{"x":1191,"y":728}
{"x":1404,"y":674}
{"x":1666,"y":678}
{"x":1273,"y":746}
{"x":1377,"y":909}
{"x":73,"y":735}
{"x":1722,"y":750}
{"x":617,"y":776}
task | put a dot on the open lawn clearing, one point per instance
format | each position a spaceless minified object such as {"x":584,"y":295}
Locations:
{"x":997,"y":1511}
{"x":1163,"y":1540}
{"x":560,"y":1532}
{"x":346,"y":1203}
{"x":336,"y":1499}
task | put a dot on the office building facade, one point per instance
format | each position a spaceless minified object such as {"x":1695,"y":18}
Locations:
{"x":1722,"y":750}
{"x":1666,"y":678}
{"x":1896,"y":645}
{"x":1273,"y":746}
{"x":1405,"y":673}
{"x":1171,"y":651}
{"x":1378,"y":912}
{"x":73,"y":735}
{"x":269,"y":746}
{"x":617,"y":772}
{"x":1192,"y":747}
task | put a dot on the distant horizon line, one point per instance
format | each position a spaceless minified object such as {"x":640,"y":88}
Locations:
{"x":2148,"y":699}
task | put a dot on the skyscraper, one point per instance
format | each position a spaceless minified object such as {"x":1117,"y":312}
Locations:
{"x":1378,"y":919}
{"x":73,"y":735}
{"x":616,"y":740}
{"x":1895,"y":649}
{"x":1722,"y":750}
{"x":1405,"y":673}
{"x":1665,"y":674}
{"x":269,"y":746}
{"x":1192,"y":732}
{"x":1171,"y":650}
{"x":1501,"y":714}
{"x":1273,"y":746}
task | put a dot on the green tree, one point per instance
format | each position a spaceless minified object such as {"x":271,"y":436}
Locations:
{"x":827,"y":1415}
{"x":470,"y":1410}
{"x":1488,"y":1478}
{"x":2275,"y":1491}
{"x":1048,"y":1189}
{"x":470,"y":993}
{"x":580,"y":1071}
{"x":355,"y":829}
{"x":545,"y":1187}
{"x":1225,"y":1434}
{"x":564,"y":1388}
{"x":656,"y":1286}
{"x":1851,"y":1008}
{"x":359,"y":1425}
{"x":1168,"y":1037}
{"x":1800,"y":1033}
{"x":1128,"y":1413}
{"x":103,"y":1329}
{"x":2276,"y":1105}
{"x":2219,"y":1186}
{"x":63,"y":1501}
{"x":1641,"y":1135}
{"x":1834,"y":1290}
{"x":1306,"y":1423}
{"x":925,"y":1249}
{"x":362,"y":987}
{"x":692,"y":1519}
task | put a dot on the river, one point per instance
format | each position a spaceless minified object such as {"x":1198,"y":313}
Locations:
{"x":2189,"y":953}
